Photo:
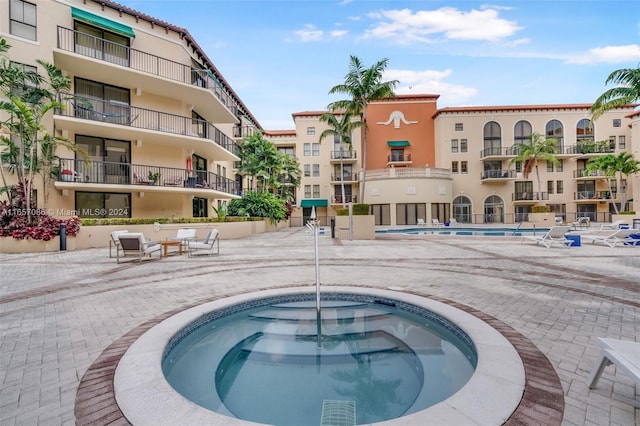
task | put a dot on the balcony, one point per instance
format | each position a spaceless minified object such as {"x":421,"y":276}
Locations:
{"x":337,"y":199}
{"x":347,"y":178}
{"x":587,"y":197}
{"x":399,"y":160}
{"x":497,"y":175}
{"x":241,"y":132}
{"x":83,"y":114}
{"x":589,"y":174}
{"x":343,"y":156}
{"x":108,"y":62}
{"x":92,"y":175}
{"x":590,"y":148}
{"x":529,"y":197}
{"x":499,"y":152}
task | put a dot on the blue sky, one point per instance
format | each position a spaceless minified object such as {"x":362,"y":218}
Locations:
{"x":283,"y":56}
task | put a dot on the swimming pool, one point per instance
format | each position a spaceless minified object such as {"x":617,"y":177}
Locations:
{"x":459,"y":230}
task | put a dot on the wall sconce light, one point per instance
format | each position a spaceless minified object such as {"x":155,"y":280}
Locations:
{"x":65,"y":133}
{"x":138,"y":91}
{"x":139,"y":143}
{"x":141,"y":194}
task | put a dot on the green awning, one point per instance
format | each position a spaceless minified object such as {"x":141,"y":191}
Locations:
{"x":398,"y":143}
{"x":101,"y":22}
{"x":314,"y":202}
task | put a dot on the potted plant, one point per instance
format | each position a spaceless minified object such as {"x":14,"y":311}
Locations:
{"x":154,"y":177}
{"x":66,"y":175}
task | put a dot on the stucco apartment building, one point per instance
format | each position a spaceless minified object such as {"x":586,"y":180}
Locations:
{"x":158,"y":121}
{"x":161,"y":126}
{"x":456,"y":162}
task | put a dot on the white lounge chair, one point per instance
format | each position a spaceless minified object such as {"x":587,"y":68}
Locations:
{"x":135,"y":245}
{"x":555,"y":235}
{"x":617,"y":237}
{"x":436,"y":223}
{"x":624,"y":354}
{"x":453,"y":222}
{"x":210,"y":242}
{"x":613,"y":225}
{"x":582,"y":222}
{"x":114,"y":242}
{"x":421,"y":222}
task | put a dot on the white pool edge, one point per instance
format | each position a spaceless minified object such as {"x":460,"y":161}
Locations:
{"x":490,"y":396}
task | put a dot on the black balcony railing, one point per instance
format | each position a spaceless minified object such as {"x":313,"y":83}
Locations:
{"x":337,"y":177}
{"x":498,"y":174}
{"x":529,"y":196}
{"x":337,"y":199}
{"x":243,"y":131}
{"x":116,"y":173}
{"x":343,"y":155}
{"x":399,"y":158}
{"x":121,"y":113}
{"x":115,"y":53}
{"x":593,"y":195}
{"x":588,"y":173}
{"x":591,"y":147}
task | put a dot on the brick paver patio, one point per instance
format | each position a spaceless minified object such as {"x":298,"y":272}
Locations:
{"x":60,"y":311}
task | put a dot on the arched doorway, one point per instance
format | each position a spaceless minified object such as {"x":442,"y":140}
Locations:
{"x":494,"y":209}
{"x":462,"y":211}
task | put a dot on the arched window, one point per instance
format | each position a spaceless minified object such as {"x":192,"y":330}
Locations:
{"x":493,"y":209}
{"x":492,"y":139}
{"x":584,"y":130}
{"x":522,"y":132}
{"x":555,"y":130}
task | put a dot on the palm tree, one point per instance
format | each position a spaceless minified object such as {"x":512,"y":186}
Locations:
{"x":611,"y":165}
{"x":627,"y":91}
{"x":363,"y":85}
{"x":537,"y":149}
{"x":342,"y":129}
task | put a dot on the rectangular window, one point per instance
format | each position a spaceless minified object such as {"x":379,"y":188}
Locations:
{"x":454,"y":167}
{"x":307,"y":191}
{"x":549,"y":166}
{"x":459,"y":127}
{"x":463,"y":167}
{"x":307,"y":149}
{"x":288,"y":151}
{"x":22,"y":19}
{"x":463,"y":145}
{"x":316,"y":149}
{"x":307,"y":170}
{"x":560,"y":166}
{"x":622,"y":142}
{"x":518,"y":166}
{"x":550,"y":186}
{"x":311,"y":131}
{"x":617,"y":122}
{"x":103,"y":205}
{"x":454,"y":145}
{"x":560,"y":187}
{"x":316,"y":170}
{"x":316,"y":191}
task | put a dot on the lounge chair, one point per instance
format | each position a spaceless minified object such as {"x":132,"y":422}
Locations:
{"x":174,"y":181}
{"x":582,"y":222}
{"x":613,"y":225}
{"x":555,"y":235}
{"x":624,"y":354}
{"x":436,"y":223}
{"x":421,"y":222}
{"x":453,"y":222}
{"x":207,"y":246}
{"x":135,"y":245}
{"x":114,"y":242}
{"x":141,"y":180}
{"x":617,"y":237}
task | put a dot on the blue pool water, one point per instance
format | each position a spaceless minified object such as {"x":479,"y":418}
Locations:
{"x":376,"y":360}
{"x":458,"y":230}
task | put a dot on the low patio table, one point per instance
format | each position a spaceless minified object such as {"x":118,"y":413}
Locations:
{"x":167,"y":244}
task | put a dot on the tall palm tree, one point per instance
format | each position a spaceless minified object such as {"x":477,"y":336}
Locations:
{"x":535,"y":150}
{"x":627,"y":91}
{"x":362,"y":85}
{"x":611,"y":165}
{"x":341,"y":128}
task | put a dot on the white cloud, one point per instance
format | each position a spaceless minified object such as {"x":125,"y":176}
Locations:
{"x":344,"y":2}
{"x":406,"y":26}
{"x":339,"y":33}
{"x":429,"y":82}
{"x":309,"y":33}
{"x":608,"y":54}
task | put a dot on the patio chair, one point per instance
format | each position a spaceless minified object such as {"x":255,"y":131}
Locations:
{"x":174,"y":181}
{"x":421,"y":222}
{"x":613,"y":225}
{"x":555,"y":235}
{"x":624,"y":354}
{"x":139,"y":179}
{"x":582,"y":222}
{"x":617,"y":237}
{"x":453,"y":222}
{"x":184,"y":235}
{"x":135,"y":245}
{"x":206,"y":246}
{"x":436,"y":223}
{"x":114,"y":241}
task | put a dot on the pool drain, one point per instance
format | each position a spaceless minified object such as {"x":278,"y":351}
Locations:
{"x":338,"y":413}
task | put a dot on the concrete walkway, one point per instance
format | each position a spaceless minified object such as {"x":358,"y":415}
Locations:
{"x":59,"y":311}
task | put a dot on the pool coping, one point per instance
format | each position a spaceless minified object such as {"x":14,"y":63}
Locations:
{"x":541,"y":403}
{"x":490,"y":396}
